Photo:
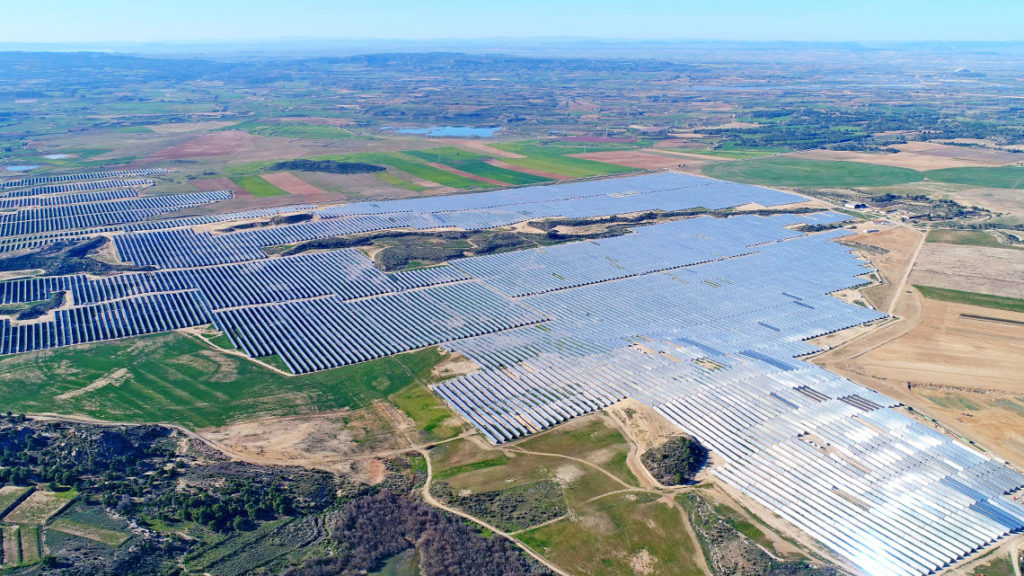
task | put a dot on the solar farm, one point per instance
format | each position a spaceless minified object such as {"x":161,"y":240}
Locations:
{"x":704,"y":319}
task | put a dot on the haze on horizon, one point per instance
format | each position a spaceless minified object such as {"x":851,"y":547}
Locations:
{"x":182,"y":21}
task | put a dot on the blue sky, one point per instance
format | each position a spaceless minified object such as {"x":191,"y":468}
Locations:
{"x":745,"y":20}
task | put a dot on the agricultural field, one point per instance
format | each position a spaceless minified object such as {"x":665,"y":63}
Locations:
{"x":967,"y":238}
{"x":803,"y":173}
{"x":967,"y":268}
{"x":972,"y":298}
{"x":555,"y":159}
{"x":39,"y":507}
{"x":9,"y":495}
{"x":476,"y":165}
{"x":293,"y":130}
{"x":175,"y":378}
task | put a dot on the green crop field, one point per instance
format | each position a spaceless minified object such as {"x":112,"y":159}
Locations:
{"x":413,"y":166}
{"x":293,"y":130}
{"x":553,"y":158}
{"x":972,"y":298}
{"x":395,"y":180}
{"x":983,"y":177}
{"x":475,"y":164}
{"x":967,"y":238}
{"x":176,"y":379}
{"x":799,"y":172}
{"x":248,"y":176}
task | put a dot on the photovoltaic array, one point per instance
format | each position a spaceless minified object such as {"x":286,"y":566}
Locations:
{"x":704,"y":319}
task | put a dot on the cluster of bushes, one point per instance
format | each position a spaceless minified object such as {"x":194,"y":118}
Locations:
{"x":236,"y":505}
{"x":371,"y":529}
{"x":68,"y":257}
{"x":510,"y":509}
{"x":330,"y":166}
{"x":677,"y":461}
{"x":60,"y":454}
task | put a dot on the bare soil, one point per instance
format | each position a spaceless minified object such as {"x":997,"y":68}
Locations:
{"x":240,"y":146}
{"x":633,"y":158}
{"x":971,"y":268}
{"x":294,"y":185}
{"x":920,"y":156}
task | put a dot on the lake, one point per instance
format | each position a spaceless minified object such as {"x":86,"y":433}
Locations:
{"x":452,"y":131}
{"x":20,"y":168}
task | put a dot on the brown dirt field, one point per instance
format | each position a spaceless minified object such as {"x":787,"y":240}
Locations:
{"x":900,"y":243}
{"x":1008,"y":202}
{"x":330,"y":441}
{"x":632,"y":158}
{"x":241,"y":146}
{"x":190,"y":127}
{"x":318,"y":120}
{"x":210,"y":184}
{"x":920,"y":156}
{"x":541,"y":173}
{"x":996,"y":271}
{"x":292,"y":184}
{"x":479,"y":147}
{"x":964,"y":372}
{"x":467,"y":174}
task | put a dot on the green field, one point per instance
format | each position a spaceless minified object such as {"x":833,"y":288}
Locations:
{"x":248,"y":176}
{"x":176,"y":379}
{"x":433,"y":418}
{"x":395,"y":180}
{"x":553,"y":158}
{"x":591,"y":439}
{"x":967,"y":238}
{"x":799,"y":172}
{"x":972,"y":298}
{"x":293,"y":130}
{"x":611,"y":535}
{"x":413,"y":166}
{"x":984,"y":177}
{"x":475,"y":164}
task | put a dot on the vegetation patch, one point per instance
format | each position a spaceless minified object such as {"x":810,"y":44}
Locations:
{"x":676,"y":461}
{"x":174,"y":378}
{"x":608,"y":536}
{"x":372,"y":529}
{"x":433,"y":418}
{"x":475,"y":164}
{"x":800,"y":172}
{"x":972,"y":298}
{"x":11,"y":495}
{"x":39,"y":507}
{"x":729,"y":551}
{"x":967,"y":238}
{"x":293,"y":130}
{"x":111,"y":538}
{"x":329,"y":166}
{"x":1011,"y":177}
{"x":68,"y":257}
{"x":511,"y":509}
{"x":554,"y":158}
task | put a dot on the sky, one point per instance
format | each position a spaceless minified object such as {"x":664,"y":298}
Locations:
{"x":170,"y":21}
